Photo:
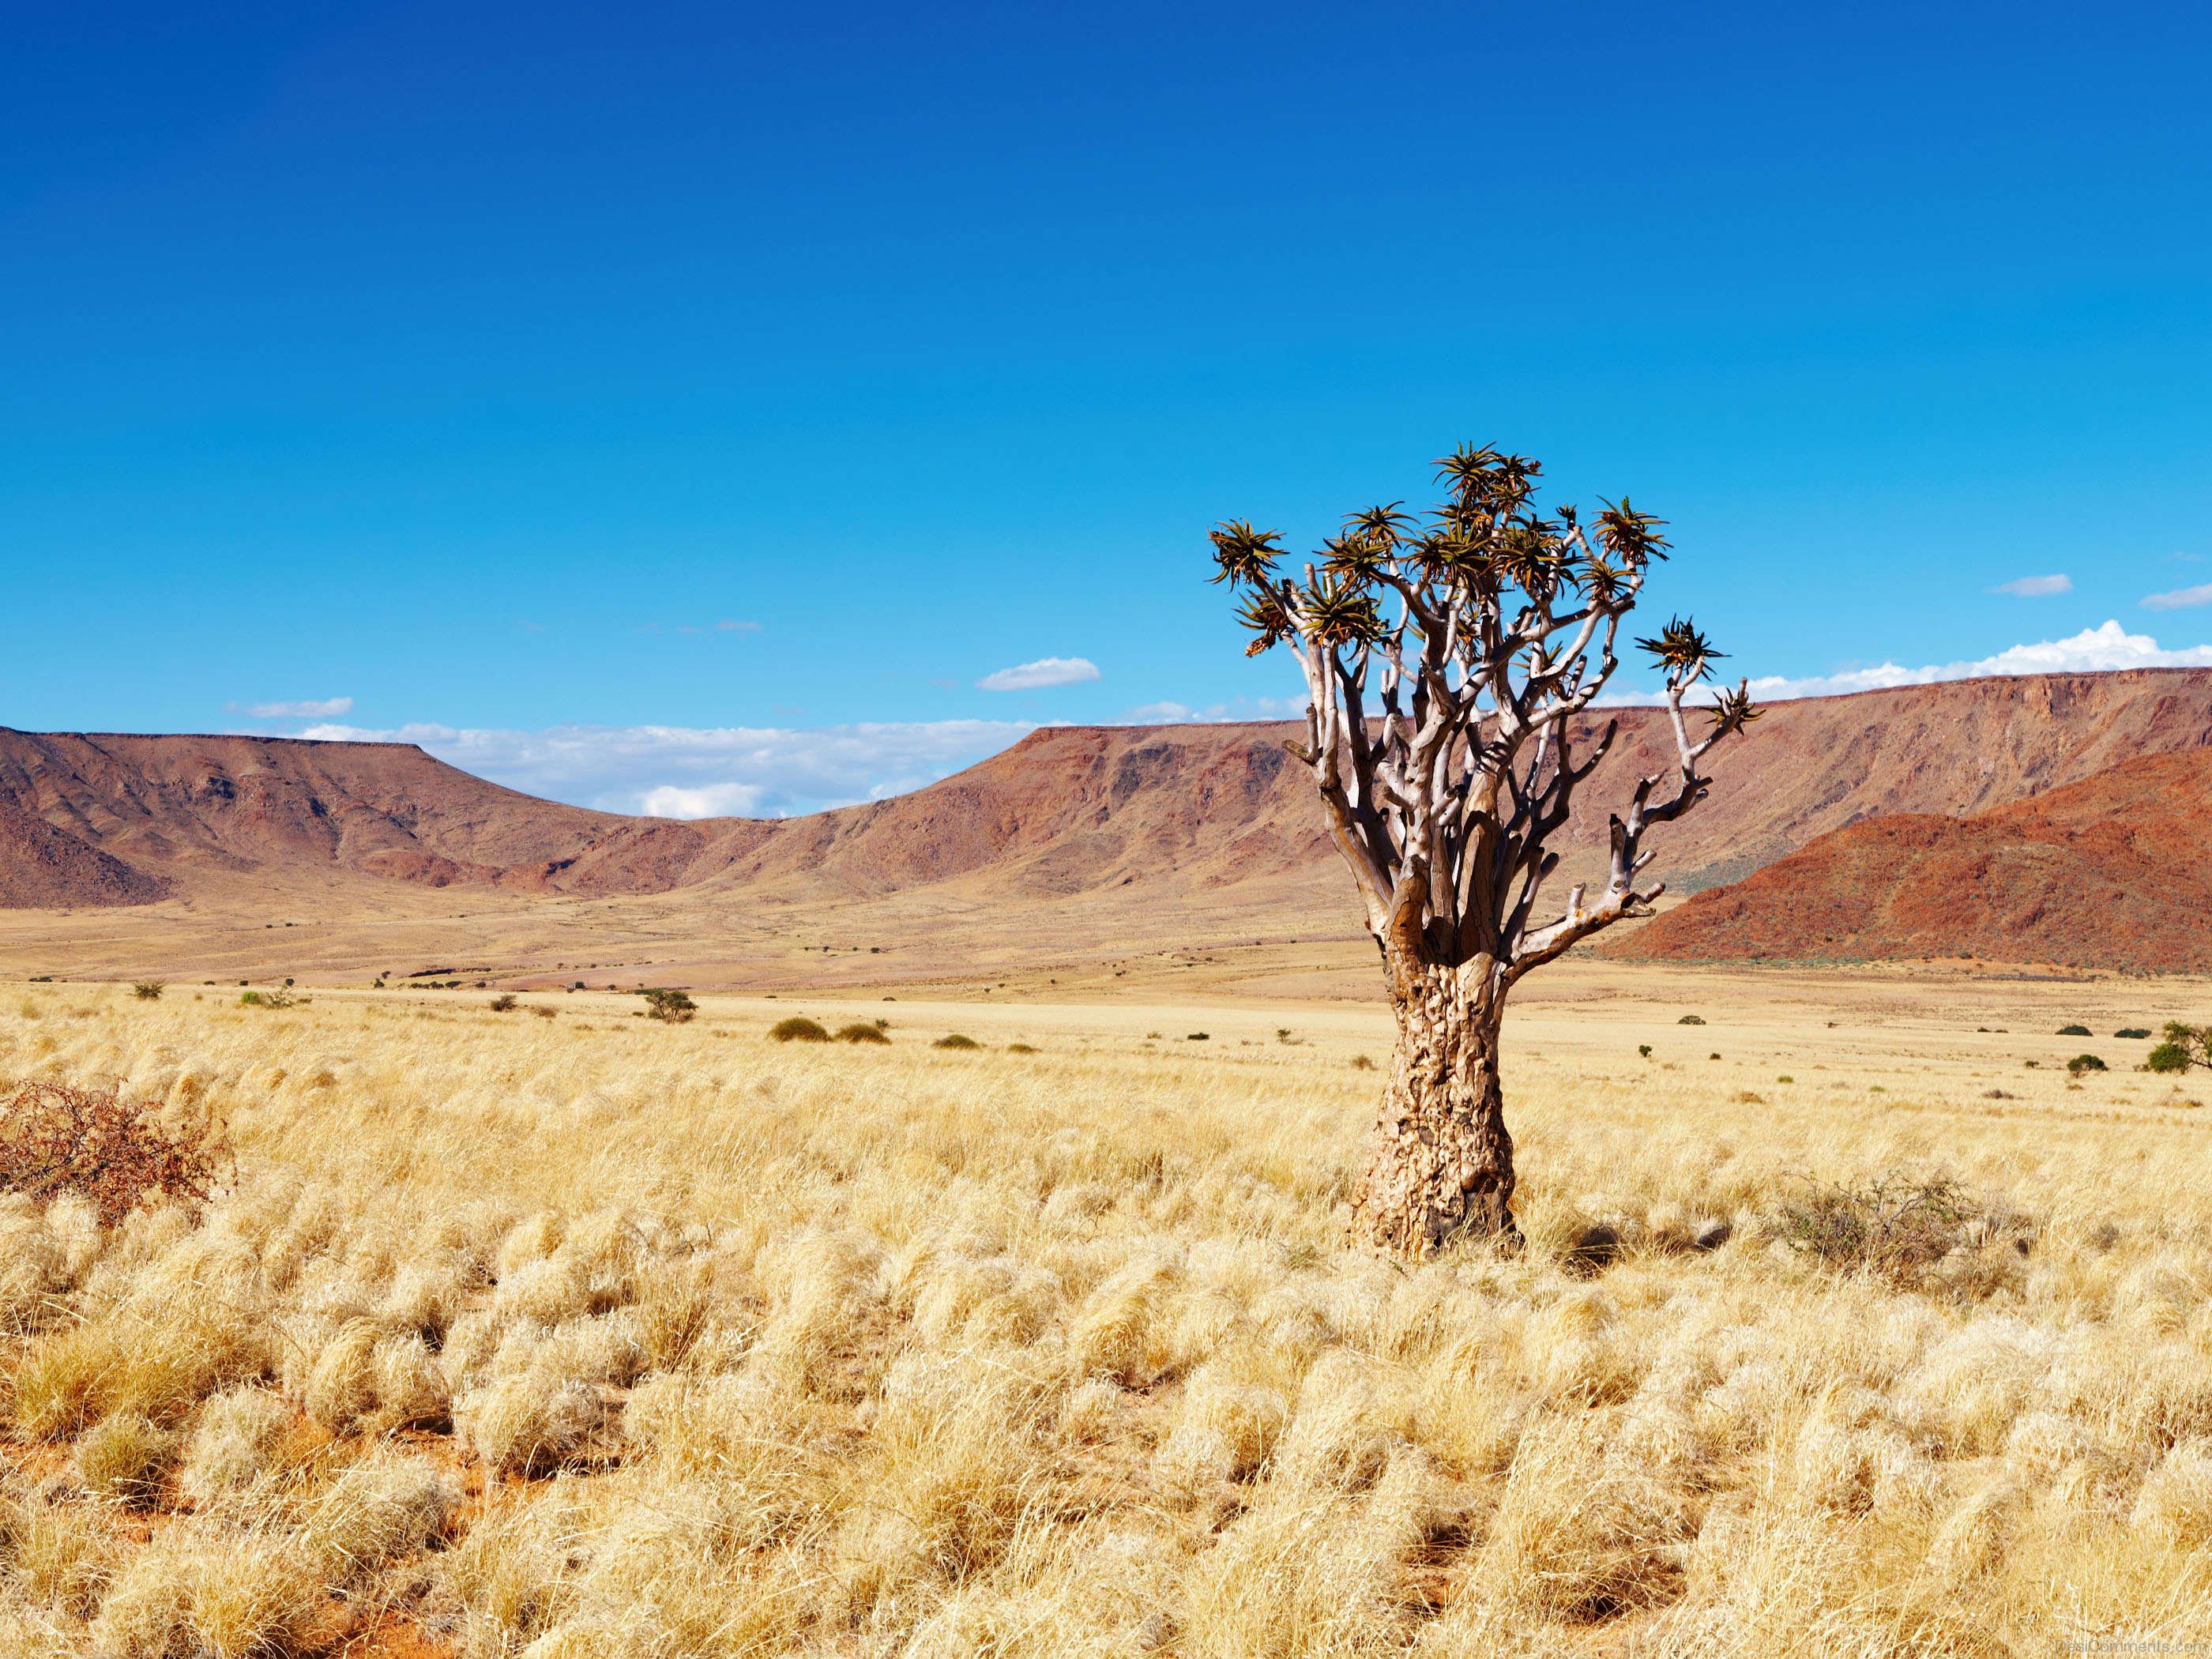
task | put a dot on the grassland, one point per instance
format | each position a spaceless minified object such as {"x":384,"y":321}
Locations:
{"x":580,"y":1335}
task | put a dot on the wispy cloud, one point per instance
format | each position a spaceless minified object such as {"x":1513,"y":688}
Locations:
{"x":1045,"y":671}
{"x":2035,"y":587}
{"x":675,"y":771}
{"x":2091,"y":651}
{"x":1242,"y":708}
{"x":310,"y":709}
{"x":2181,"y":599}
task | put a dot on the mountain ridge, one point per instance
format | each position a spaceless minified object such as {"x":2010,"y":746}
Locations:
{"x":1138,"y":828}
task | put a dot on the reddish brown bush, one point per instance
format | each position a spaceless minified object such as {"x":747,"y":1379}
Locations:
{"x":57,"y":1139}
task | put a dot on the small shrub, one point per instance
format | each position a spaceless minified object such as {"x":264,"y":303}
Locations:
{"x":149,"y":990}
{"x":505,"y":1003}
{"x":673,"y":1007}
{"x":57,"y":1139}
{"x":1691,"y":1020}
{"x":2074,"y":1031}
{"x":1644,"y":1049}
{"x":2082,"y":1063}
{"x":799,"y":1029}
{"x":954,"y":1040}
{"x":1361,"y":1063}
{"x":125,"y":1459}
{"x":2135,"y":1032}
{"x":1894,"y":1227}
{"x":858,"y":1033}
{"x":1020,"y":1049}
{"x":266,"y":1000}
{"x":542,"y":1011}
{"x":1197,"y":1037}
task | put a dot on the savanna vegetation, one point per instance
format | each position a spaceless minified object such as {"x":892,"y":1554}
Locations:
{"x":600,"y":1336}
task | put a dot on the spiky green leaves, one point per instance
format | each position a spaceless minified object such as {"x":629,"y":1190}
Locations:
{"x":1267,"y":614}
{"x":1338,"y":611}
{"x":1682,"y":650}
{"x":1632,"y":537}
{"x":1732,"y":711}
{"x":1244,"y":554}
{"x":1487,"y":481}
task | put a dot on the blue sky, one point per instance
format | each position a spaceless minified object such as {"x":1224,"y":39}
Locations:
{"x":461,"y":370}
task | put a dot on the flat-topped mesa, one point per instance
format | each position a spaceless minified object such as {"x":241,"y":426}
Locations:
{"x":1068,"y":810}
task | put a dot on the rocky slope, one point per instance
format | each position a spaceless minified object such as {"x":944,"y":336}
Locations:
{"x":1105,"y":812}
{"x":2112,"y":871}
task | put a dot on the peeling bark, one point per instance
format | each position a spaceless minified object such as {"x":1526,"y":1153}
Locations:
{"x":1440,"y":1164}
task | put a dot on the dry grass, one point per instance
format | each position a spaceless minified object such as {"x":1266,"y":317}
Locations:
{"x":538,"y":1339}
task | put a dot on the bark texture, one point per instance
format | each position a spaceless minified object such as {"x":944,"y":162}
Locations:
{"x":1441,"y":1161}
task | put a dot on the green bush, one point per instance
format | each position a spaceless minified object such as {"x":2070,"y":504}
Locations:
{"x":673,"y":1007}
{"x":2075,"y":1030}
{"x":2082,"y":1063}
{"x":1691,"y":1020}
{"x":2133,"y":1031}
{"x":799,"y":1029}
{"x":2184,"y":1046}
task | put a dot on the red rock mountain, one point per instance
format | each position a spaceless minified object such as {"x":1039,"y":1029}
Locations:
{"x":2112,"y":871}
{"x":1217,"y":815}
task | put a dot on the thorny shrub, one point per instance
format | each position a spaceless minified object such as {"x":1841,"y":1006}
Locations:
{"x":56,"y":1138}
{"x":1895,"y":1227}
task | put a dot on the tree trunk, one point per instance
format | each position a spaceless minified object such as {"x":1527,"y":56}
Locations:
{"x":1441,"y":1163}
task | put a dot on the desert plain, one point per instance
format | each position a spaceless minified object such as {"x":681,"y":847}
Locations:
{"x":559,"y":1330}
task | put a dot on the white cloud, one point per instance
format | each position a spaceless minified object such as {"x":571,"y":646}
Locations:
{"x":1242,"y":708}
{"x":713,"y":800}
{"x":327,"y":708}
{"x":2091,"y":651}
{"x":1045,"y":671}
{"x":2180,"y":599}
{"x":675,"y":771}
{"x":2035,"y":587}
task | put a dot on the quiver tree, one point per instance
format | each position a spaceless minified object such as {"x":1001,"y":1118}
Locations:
{"x":1444,"y":660}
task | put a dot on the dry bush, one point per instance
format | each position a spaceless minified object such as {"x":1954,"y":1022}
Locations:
{"x":857,"y":1032}
{"x":56,"y":1138}
{"x":1897,"y":1227}
{"x":799,"y":1029}
{"x":125,"y":1457}
{"x":955,"y":1040}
